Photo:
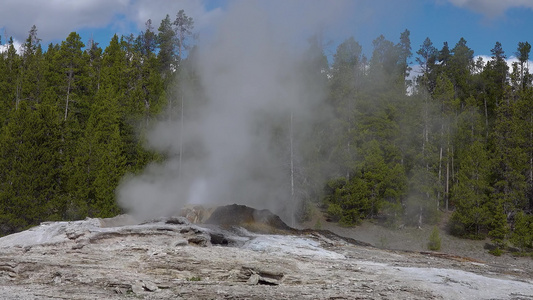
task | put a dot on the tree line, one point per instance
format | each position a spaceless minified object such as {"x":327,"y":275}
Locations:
{"x":72,"y":119}
{"x":455,"y":138}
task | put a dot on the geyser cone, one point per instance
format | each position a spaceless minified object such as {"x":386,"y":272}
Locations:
{"x":250,"y":218}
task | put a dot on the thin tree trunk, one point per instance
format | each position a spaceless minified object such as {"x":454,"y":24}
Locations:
{"x":440,"y":177}
{"x":349,"y":150}
{"x":486,"y":117}
{"x":453,"y":165}
{"x":98,"y":82}
{"x":169,"y":109}
{"x":181,"y":138}
{"x":420,"y":218}
{"x":68,"y":95}
{"x":424,"y":134}
{"x":531,"y":152}
{"x":447,"y":191}
{"x":17,"y":100}
{"x":292,"y":157}
{"x":291,"y":138}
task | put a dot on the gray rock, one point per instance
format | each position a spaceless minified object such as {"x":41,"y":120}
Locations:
{"x":180,"y":242}
{"x":137,"y":287}
{"x":253,"y":280}
{"x":150,"y":286}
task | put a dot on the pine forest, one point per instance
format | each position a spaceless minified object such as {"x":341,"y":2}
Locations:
{"x":407,"y":147}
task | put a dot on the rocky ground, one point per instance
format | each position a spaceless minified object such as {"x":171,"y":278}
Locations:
{"x":171,"y":258}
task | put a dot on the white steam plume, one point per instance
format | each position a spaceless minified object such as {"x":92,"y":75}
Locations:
{"x":236,"y":147}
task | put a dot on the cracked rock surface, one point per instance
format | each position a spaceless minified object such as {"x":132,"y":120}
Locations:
{"x":170,"y":258}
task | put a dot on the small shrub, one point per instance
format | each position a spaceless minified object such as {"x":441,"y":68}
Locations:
{"x":434,"y":240}
{"x":335,"y":212}
{"x":496,"y":251}
{"x":383,"y":242}
{"x":350,"y":218}
{"x":194,"y":278}
{"x":304,"y":211}
{"x":318,"y":225}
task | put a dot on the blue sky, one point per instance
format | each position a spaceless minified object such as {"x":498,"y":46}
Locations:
{"x":480,"y":22}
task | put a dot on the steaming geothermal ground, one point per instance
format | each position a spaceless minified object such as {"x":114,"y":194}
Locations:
{"x":170,"y":258}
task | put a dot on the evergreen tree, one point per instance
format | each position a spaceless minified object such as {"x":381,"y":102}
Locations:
{"x":404,"y":53}
{"x":167,"y":42}
{"x":13,"y":79}
{"x":99,"y":161}
{"x":184,"y":26}
{"x":522,"y":236}
{"x":471,"y":192}
{"x":444,"y":56}
{"x":460,"y":68}
{"x":524,"y":48}
{"x":72,"y":65}
{"x":498,"y":226}
{"x":32,"y":69}
{"x":346,"y":82}
{"x":384,"y":72}
{"x":426,"y":60}
{"x":147,"y":40}
{"x":494,"y":83}
{"x":509,"y":139}
{"x":30,"y":162}
{"x":94,"y":57}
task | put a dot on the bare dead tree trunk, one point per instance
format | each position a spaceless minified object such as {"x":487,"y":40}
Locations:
{"x":169,"y":109}
{"x":181,"y":137}
{"x":17,"y":100}
{"x":440,"y":177}
{"x":531,"y":152}
{"x":68,"y":94}
{"x":420,"y":218}
{"x":447,"y":191}
{"x":349,"y":145}
{"x":292,"y":158}
{"x":486,"y":117}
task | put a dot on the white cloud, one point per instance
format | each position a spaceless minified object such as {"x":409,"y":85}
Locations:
{"x":5,"y":46}
{"x":492,"y":8}
{"x":509,"y":61}
{"x":156,"y":10}
{"x":417,"y":70}
{"x":55,"y":19}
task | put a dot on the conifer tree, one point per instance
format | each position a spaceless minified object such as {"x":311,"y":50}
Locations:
{"x":72,"y":65}
{"x":32,"y":69}
{"x":510,"y":156}
{"x":522,"y":236}
{"x":99,"y":160}
{"x":471,"y":193}
{"x":427,"y":57}
{"x":31,"y":168}
{"x":346,"y":81}
{"x":494,"y":77}
{"x":166,"y":40}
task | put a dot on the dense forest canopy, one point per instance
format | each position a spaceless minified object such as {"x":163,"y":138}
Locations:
{"x":456,"y":137}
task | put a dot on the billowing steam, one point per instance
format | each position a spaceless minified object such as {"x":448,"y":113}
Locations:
{"x":237,"y":143}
